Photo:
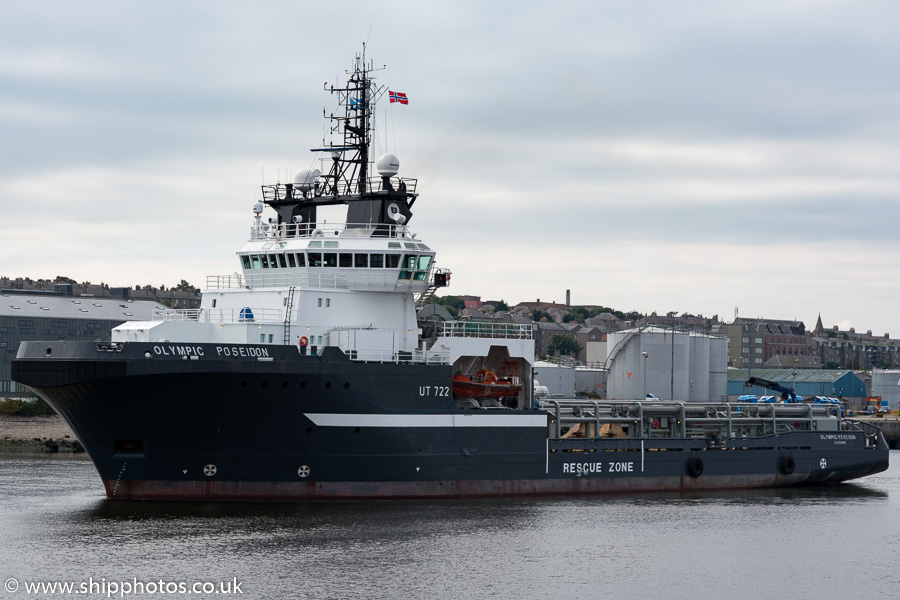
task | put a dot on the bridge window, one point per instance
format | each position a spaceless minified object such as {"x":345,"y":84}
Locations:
{"x":392,"y":261}
{"x":330,"y":259}
{"x":273,"y":262}
{"x":409,"y":265}
{"x":345,"y":260}
{"x":245,"y":261}
{"x":315,"y":259}
{"x":362,"y":260}
{"x":281,"y":261}
{"x":376,"y":261}
{"x":291,"y":262}
{"x":422,"y":266}
{"x":301,"y":259}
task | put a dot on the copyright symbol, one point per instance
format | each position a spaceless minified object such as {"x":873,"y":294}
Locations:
{"x":11,"y":585}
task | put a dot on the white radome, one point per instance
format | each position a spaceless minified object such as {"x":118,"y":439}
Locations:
{"x":388,"y":165}
{"x":305,"y":180}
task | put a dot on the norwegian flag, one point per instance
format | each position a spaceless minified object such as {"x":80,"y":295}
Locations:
{"x":398,"y":97}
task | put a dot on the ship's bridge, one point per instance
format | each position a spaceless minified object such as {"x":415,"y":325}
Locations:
{"x":351,"y":256}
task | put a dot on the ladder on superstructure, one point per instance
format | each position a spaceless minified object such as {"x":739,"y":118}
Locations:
{"x":425,"y":296}
{"x":287,"y":316}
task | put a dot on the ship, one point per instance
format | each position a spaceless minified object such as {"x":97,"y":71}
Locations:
{"x":320,"y":371}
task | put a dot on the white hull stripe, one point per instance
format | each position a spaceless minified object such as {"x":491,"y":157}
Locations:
{"x":392,"y":420}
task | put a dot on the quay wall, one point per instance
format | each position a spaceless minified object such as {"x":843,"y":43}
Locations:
{"x":37,"y":435}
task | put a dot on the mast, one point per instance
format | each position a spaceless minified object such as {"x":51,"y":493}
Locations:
{"x":350,"y":169}
{"x":383,"y":202}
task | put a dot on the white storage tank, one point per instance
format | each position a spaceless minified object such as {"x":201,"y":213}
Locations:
{"x":718,"y":369}
{"x":590,"y":381}
{"x":670,"y":365}
{"x":559,"y":381}
{"x":699,"y":369}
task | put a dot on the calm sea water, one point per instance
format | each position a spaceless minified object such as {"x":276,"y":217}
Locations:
{"x":840,"y":542}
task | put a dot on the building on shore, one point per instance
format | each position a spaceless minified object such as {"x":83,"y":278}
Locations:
{"x":886,"y":386}
{"x":808,"y":383}
{"x":36,"y":317}
{"x":179,"y":297}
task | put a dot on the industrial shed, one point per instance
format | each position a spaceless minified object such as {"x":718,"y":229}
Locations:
{"x":27,"y":317}
{"x":806,"y":382}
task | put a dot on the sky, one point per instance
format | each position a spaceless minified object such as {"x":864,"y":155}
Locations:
{"x":707,"y":157}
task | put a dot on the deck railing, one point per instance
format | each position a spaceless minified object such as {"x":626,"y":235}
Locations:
{"x":223,"y":316}
{"x":478,"y":329}
{"x":328,"y":231}
{"x":418,"y":357}
{"x":383,"y":280}
{"x":691,"y":419}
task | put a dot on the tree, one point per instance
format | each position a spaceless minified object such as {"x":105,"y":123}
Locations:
{"x":184,"y":286}
{"x":538,"y":315}
{"x":564,"y":345}
{"x":64,"y":279}
{"x":578,"y":314}
{"x":453,"y":304}
{"x":501,"y":306}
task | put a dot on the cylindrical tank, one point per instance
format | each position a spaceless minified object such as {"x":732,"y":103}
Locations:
{"x":559,"y":381}
{"x":718,"y":368}
{"x":670,"y":365}
{"x":699,"y":369}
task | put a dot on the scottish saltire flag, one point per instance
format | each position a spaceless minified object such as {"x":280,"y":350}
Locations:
{"x":398,"y":97}
{"x":355,"y":103}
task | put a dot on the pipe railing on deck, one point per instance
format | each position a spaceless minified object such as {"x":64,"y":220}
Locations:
{"x":689,"y":417}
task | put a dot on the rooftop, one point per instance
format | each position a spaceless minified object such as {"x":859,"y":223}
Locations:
{"x":80,"y":307}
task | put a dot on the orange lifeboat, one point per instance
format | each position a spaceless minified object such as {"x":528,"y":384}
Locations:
{"x":486,"y":384}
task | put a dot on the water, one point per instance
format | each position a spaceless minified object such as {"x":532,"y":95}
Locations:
{"x":841,"y":542}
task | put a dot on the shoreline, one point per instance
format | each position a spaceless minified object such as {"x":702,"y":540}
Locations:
{"x":37,"y":435}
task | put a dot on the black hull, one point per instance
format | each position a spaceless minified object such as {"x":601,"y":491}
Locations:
{"x":289,"y":427}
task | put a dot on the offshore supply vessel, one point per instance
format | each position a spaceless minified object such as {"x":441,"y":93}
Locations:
{"x":320,"y":371}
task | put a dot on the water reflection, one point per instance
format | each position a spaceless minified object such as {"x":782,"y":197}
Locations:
{"x":629,"y":546}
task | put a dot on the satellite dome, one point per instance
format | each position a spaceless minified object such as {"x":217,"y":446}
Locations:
{"x":305,"y":180}
{"x":388,"y":165}
{"x":258,"y":208}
